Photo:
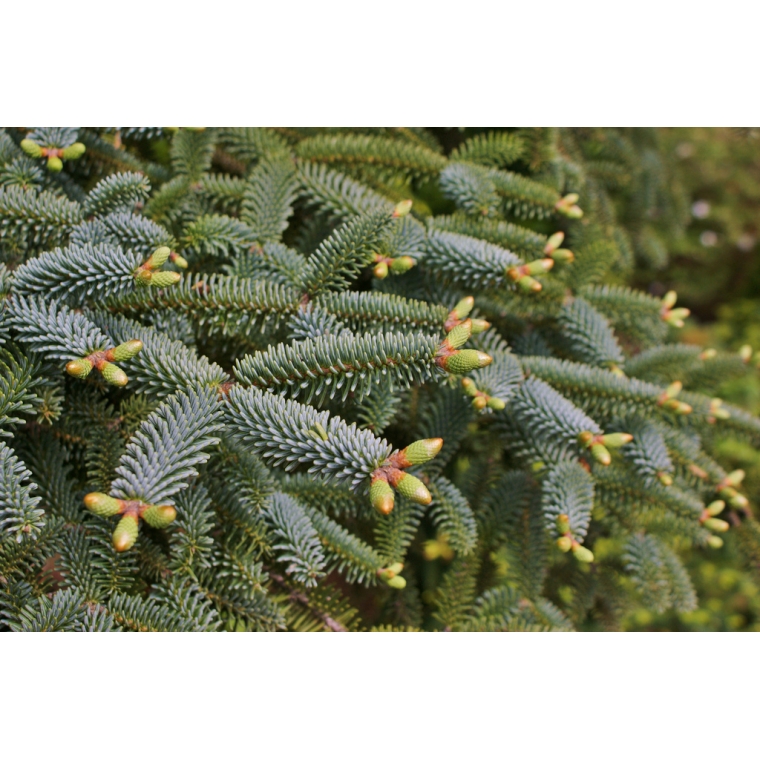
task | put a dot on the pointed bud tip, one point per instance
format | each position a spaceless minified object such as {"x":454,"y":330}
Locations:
{"x":402,"y":208}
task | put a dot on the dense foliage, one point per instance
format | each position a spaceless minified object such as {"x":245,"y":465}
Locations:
{"x":269,"y":379}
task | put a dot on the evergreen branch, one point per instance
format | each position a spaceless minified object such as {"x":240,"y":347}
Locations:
{"x":496,"y":149}
{"x":230,"y":305}
{"x":132,"y":232}
{"x":587,"y":335}
{"x":299,"y":544}
{"x":343,"y":363}
{"x":468,"y":261}
{"x":521,"y":241}
{"x":338,"y":195}
{"x":18,"y":375}
{"x":117,"y":192}
{"x":340,"y":258}
{"x":53,"y":330}
{"x":32,"y":219}
{"x":452,"y":515}
{"x":283,"y":431}
{"x":350,"y":556}
{"x":390,"y":157}
{"x":268,"y":201}
{"x":218,"y":235}
{"x":78,"y":273}
{"x":19,"y":512}
{"x":162,"y":454}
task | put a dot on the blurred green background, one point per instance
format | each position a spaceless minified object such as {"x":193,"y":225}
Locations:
{"x":714,"y":265}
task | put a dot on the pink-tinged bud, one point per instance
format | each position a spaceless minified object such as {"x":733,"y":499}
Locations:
{"x":402,"y":208}
{"x":464,"y":307}
{"x":159,"y":517}
{"x":460,"y":334}
{"x":539,"y":266}
{"x":564,"y":543}
{"x":582,"y":554}
{"x":102,"y":504}
{"x":600,"y":453}
{"x":380,"y":271}
{"x":469,"y":387}
{"x":707,"y":354}
{"x":125,"y":535}
{"x":381,"y":496}
{"x":177,"y":260}
{"x":745,"y":353}
{"x":479,"y":403}
{"x":113,"y":374}
{"x":126,"y":351}
{"x":676,"y":317}
{"x":74,"y":151}
{"x":421,"y":451}
{"x":554,"y":242}
{"x":467,"y":360}
{"x":717,"y":410}
{"x":529,"y":285}
{"x":31,"y":148}
{"x":563,"y":524}
{"x":674,"y":389}
{"x":479,"y":325}
{"x":563,"y":255}
{"x":158,"y":258}
{"x":616,"y":440}
{"x":714,"y":508}
{"x":669,"y":299}
{"x":79,"y":368}
{"x":165,"y":279}
{"x":402,"y":264}
{"x":734,"y":478}
{"x":407,"y":485}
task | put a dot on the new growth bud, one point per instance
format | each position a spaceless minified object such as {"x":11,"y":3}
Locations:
{"x":165,"y":279}
{"x":381,"y":496}
{"x":125,"y":535}
{"x":582,"y":554}
{"x":73,"y":151}
{"x":113,"y":374}
{"x":407,"y":485}
{"x":159,"y":517}
{"x":420,"y":451}
{"x":745,"y":353}
{"x":467,"y":360}
{"x":464,"y":307}
{"x":380,"y":271}
{"x":79,"y":368}
{"x":31,"y":148}
{"x":402,"y":264}
{"x":616,"y":440}
{"x":102,"y":504}
{"x":460,"y":334}
{"x":402,"y":208}
{"x":54,"y":164}
{"x":126,"y":351}
{"x":715,"y":524}
{"x":554,"y":242}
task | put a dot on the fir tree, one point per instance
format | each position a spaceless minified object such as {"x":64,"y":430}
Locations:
{"x":285,"y":375}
